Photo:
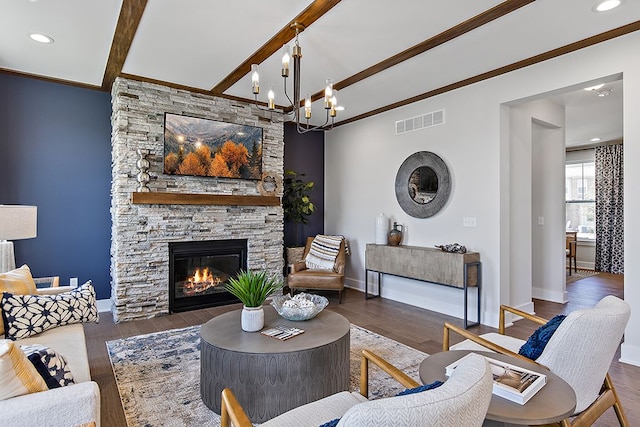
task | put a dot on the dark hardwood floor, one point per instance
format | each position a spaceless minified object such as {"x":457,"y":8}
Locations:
{"x":418,"y":328}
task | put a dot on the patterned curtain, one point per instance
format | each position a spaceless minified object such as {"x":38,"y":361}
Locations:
{"x":609,"y":209}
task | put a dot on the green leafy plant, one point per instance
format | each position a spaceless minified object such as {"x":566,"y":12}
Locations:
{"x":296,"y":201}
{"x":252,"y":287}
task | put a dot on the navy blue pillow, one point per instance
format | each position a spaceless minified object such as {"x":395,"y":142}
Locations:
{"x":332,"y":423}
{"x":420,"y":388}
{"x":536,"y":343}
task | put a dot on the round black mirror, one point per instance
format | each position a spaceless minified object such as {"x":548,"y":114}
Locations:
{"x":423,"y":184}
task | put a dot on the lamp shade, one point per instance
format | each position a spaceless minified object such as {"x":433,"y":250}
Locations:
{"x":18,"y":222}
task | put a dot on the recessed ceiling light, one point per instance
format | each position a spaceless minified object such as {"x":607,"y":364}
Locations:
{"x":596,"y":87}
{"x":41,"y":38}
{"x":605,"y":92}
{"x":594,"y":139}
{"x":605,"y":5}
{"x":340,"y":108}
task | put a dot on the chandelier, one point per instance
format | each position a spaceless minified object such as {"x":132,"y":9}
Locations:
{"x":296,"y":107}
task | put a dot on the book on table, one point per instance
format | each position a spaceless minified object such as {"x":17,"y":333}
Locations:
{"x":510,"y":381}
{"x":282,"y":332}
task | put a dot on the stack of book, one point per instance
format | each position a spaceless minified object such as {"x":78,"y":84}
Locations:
{"x":510,"y":381}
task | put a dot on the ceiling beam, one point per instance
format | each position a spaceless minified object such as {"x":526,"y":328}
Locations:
{"x":307,"y":17}
{"x":128,"y":22}
{"x":471,"y":24}
{"x":581,"y":44}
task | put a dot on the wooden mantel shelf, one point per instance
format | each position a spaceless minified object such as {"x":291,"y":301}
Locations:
{"x":158,"y":198}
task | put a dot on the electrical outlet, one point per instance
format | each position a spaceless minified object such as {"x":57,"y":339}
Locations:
{"x":540,"y":220}
{"x":469,"y":221}
{"x":73,"y":281}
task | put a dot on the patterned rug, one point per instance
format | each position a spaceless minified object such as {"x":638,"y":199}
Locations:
{"x":158,"y":375}
{"x":580,"y":274}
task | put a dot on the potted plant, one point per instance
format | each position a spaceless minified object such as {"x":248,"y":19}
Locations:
{"x":296,"y":201}
{"x":252,"y":288}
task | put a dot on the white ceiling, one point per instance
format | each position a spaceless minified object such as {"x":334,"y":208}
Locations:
{"x":197,"y":43}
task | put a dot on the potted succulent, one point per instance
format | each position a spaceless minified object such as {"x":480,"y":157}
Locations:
{"x":252,"y":288}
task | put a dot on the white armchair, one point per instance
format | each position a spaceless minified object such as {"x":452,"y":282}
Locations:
{"x":53,"y":285}
{"x":580,"y":352}
{"x":462,"y":400}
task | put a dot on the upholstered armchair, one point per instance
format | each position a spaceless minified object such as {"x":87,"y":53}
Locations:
{"x":580,"y":352}
{"x":301,"y":277}
{"x":462,"y":400}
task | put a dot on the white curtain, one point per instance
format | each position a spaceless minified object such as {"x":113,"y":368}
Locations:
{"x":609,"y":209}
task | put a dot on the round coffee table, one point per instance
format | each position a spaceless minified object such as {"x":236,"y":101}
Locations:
{"x":554,"y":402}
{"x":270,"y":376}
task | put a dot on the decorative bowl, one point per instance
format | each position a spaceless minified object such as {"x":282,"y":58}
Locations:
{"x":300,"y":307}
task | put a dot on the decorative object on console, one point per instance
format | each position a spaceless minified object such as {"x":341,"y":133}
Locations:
{"x":454,"y":248}
{"x":252,"y":289}
{"x":16,"y":222}
{"x":422,"y":184}
{"x":203,"y":147}
{"x":143,"y":176}
{"x":27,"y":315}
{"x":395,"y":235}
{"x":303,"y":306}
{"x":330,"y":94}
{"x":382,"y":229}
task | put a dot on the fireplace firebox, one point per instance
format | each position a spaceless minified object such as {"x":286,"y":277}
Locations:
{"x":198,"y":271}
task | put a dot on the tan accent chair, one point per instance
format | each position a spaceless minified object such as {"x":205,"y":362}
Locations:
{"x":580,"y":352}
{"x":300,"y":277}
{"x":463,"y":400}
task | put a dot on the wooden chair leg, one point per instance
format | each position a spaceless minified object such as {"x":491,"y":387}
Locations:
{"x":339,"y":297}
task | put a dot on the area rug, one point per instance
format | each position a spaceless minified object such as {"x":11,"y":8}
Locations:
{"x":580,"y":274}
{"x":158,"y":375}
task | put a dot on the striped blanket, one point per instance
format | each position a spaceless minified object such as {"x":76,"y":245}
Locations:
{"x":323,"y":252}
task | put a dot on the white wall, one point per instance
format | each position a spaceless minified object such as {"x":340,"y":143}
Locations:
{"x":362,"y":159}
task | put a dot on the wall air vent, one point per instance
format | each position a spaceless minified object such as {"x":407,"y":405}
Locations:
{"x":428,"y":120}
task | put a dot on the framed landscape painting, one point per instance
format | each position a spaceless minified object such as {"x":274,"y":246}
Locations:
{"x":202,"y":147}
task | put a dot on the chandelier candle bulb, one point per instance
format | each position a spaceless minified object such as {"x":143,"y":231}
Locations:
{"x":255,"y":79}
{"x":285,"y":60}
{"x":271,"y":95}
{"x":328,"y":93}
{"x":307,"y":107}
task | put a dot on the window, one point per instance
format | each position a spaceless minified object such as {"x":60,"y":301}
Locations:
{"x":580,"y":199}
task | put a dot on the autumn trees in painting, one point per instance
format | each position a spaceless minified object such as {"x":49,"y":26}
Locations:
{"x":209,"y":148}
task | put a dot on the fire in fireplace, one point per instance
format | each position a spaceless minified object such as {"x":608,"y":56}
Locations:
{"x":198,"y":271}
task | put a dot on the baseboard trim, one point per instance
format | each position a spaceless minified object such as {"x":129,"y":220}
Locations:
{"x":104,"y":305}
{"x":630,"y":354}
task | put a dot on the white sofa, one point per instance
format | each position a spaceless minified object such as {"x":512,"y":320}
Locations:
{"x":74,"y":405}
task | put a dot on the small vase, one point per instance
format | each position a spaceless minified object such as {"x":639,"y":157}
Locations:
{"x":252,"y":318}
{"x":395,"y":235}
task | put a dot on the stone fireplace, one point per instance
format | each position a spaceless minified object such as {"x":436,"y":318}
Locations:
{"x":142,"y":232}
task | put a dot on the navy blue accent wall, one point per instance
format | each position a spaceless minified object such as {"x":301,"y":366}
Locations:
{"x":305,"y":154}
{"x":55,"y":153}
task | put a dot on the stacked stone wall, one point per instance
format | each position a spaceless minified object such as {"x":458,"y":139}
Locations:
{"x":140,"y":233}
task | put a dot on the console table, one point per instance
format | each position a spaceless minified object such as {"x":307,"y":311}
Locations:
{"x":428,"y":265}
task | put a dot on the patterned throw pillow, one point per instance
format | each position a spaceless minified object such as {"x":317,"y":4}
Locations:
{"x":51,"y":366}
{"x":27,"y":315}
{"x":18,"y":281}
{"x":17,"y":374}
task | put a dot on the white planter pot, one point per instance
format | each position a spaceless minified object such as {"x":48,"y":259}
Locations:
{"x":252,"y":319}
